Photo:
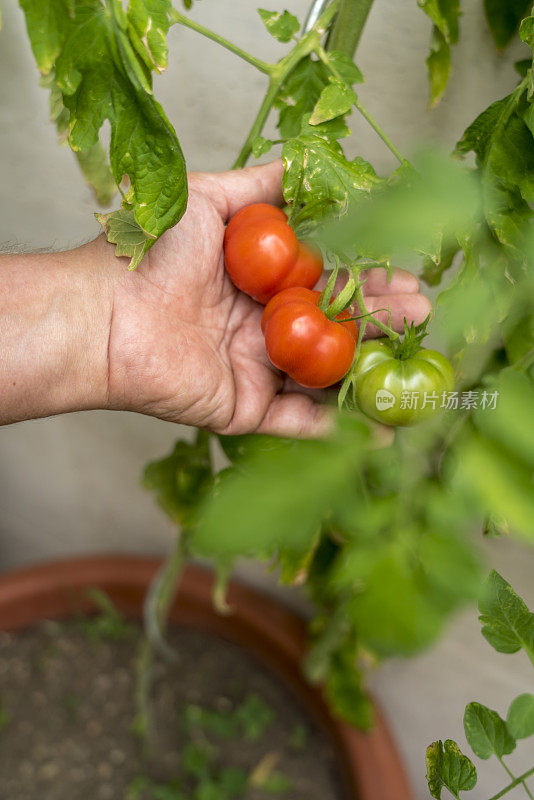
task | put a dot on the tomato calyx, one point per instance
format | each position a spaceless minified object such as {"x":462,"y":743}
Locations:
{"x":414,"y":335}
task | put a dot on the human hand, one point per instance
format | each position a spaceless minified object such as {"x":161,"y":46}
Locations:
{"x":186,"y":346}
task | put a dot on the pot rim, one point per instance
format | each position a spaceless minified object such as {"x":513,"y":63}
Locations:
{"x":370,"y":762}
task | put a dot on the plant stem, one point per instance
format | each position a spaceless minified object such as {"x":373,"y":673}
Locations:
{"x":323,"y":55}
{"x":280,"y":71}
{"x":520,"y":779}
{"x":380,"y":325}
{"x":182,"y":19}
{"x":512,"y":776}
{"x":381,"y":133}
{"x":348,"y":27}
{"x":157,"y":604}
{"x":258,"y":124}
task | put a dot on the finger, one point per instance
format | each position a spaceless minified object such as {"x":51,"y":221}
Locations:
{"x":297,"y":416}
{"x":377,"y":282}
{"x":412,"y":307}
{"x":231,"y":191}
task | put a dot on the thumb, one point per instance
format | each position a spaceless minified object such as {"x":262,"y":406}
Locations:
{"x":231,"y":191}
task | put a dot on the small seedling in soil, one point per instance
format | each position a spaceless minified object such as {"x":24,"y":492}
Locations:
{"x":299,"y":738}
{"x":108,"y":624}
{"x":254,"y":716}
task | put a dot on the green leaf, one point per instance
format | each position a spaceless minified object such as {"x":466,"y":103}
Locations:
{"x":260,"y":146}
{"x":286,"y":492}
{"x":181,"y":480}
{"x":47,"y":22}
{"x":346,"y":695}
{"x":520,"y":719}
{"x":510,"y":423}
{"x":435,"y":265}
{"x":102,"y":73}
{"x":439,"y":66}
{"x":299,"y":94}
{"x":280,"y":24}
{"x":447,"y":767}
{"x":197,"y":758}
{"x":94,"y":162}
{"x":336,"y":100}
{"x":486,"y":732}
{"x":95,"y":167}
{"x":508,"y":625}
{"x":504,"y":17}
{"x":445,"y":14}
{"x":150,"y":21}
{"x":122,"y":229}
{"x":254,"y":716}
{"x":316,"y":170}
{"x":233,"y":782}
{"x":504,"y":147}
{"x":276,"y":783}
{"x":393,"y":614}
{"x":500,"y":483}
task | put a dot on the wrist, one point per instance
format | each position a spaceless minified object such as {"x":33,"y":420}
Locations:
{"x":54,"y":323}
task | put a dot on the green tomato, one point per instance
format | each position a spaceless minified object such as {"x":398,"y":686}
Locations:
{"x":398,"y":391}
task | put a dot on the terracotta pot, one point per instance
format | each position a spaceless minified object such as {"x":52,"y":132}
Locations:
{"x":369,"y":763}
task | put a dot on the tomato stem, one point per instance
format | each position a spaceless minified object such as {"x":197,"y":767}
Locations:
{"x":181,"y":19}
{"x":323,"y":55}
{"x":279,"y":72}
{"x":387,"y":329}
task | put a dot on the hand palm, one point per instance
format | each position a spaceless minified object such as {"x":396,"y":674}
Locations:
{"x":186,"y":346}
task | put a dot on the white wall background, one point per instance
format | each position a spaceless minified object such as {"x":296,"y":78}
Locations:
{"x":70,"y":484}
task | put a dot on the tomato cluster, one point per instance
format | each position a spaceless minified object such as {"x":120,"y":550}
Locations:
{"x":265,"y":260}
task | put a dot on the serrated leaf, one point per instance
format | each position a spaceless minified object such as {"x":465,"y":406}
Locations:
{"x":100,"y":76}
{"x":504,"y":147}
{"x":260,"y":146}
{"x":504,"y":18}
{"x":122,"y":229}
{"x":336,"y":100}
{"x":520,"y":718}
{"x":439,"y":66}
{"x":486,"y":732}
{"x":280,"y":24}
{"x":508,"y":625}
{"x":317,"y":170}
{"x":447,"y":767}
{"x":302,"y":89}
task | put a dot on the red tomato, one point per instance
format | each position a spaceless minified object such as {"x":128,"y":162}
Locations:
{"x":264,"y":256}
{"x":315,"y":351}
{"x":254,"y":213}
